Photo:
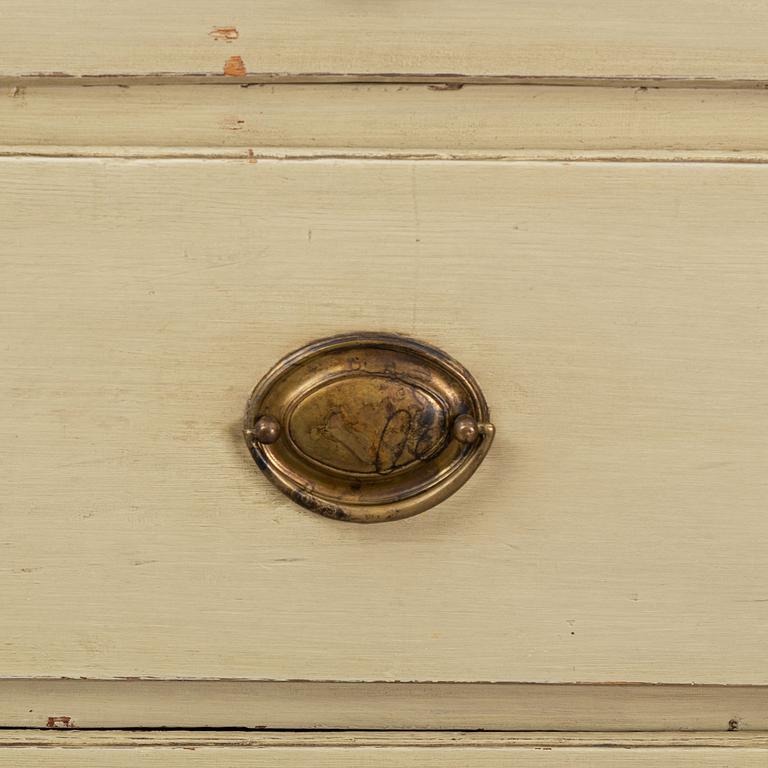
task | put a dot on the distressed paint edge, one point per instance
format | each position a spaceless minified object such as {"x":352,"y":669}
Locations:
{"x":256,"y":155}
{"x":413,"y":78}
{"x":626,"y":684}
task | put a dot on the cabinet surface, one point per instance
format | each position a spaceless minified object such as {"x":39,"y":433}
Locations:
{"x":568,"y":198}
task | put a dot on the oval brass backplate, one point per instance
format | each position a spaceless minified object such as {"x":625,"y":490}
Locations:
{"x":368,"y":427}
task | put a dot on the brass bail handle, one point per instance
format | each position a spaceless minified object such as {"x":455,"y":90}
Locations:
{"x":368,"y":427}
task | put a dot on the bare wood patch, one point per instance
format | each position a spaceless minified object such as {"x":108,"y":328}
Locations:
{"x":227,"y":34}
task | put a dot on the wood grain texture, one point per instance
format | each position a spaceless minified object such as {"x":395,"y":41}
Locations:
{"x":720,"y":711}
{"x":388,"y":118}
{"x":546,"y":38}
{"x":319,"y":740}
{"x":614,"y":314}
{"x":213,"y":757}
{"x":460,"y":750}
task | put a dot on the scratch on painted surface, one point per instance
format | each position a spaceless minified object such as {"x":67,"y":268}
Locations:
{"x":227,"y":34}
{"x":234,"y":67}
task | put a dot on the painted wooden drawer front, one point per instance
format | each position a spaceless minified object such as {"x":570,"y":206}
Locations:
{"x":614,"y":314}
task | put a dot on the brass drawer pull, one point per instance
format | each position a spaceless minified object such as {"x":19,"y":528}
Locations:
{"x":368,"y":427}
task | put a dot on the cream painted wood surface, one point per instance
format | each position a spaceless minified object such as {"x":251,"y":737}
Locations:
{"x":614,"y":314}
{"x":413,"y":740}
{"x":717,"y":39}
{"x":113,"y":750}
{"x":721,"y":711}
{"x":213,"y":757}
{"x":389,"y":118}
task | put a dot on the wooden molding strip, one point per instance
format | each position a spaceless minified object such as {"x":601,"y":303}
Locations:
{"x":70,"y":704}
{"x":113,"y":739}
{"x":386,"y":122}
{"x":29,"y":749}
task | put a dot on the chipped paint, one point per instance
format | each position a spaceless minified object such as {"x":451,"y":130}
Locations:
{"x":227,"y":34}
{"x":62,"y":721}
{"x":234,"y":67}
{"x":233,"y":124}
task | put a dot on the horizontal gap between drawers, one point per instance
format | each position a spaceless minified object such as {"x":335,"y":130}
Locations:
{"x":293,"y":156}
{"x":263,"y":705}
{"x":354,"y":78}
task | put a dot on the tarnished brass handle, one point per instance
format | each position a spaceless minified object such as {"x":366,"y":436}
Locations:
{"x":368,"y":427}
